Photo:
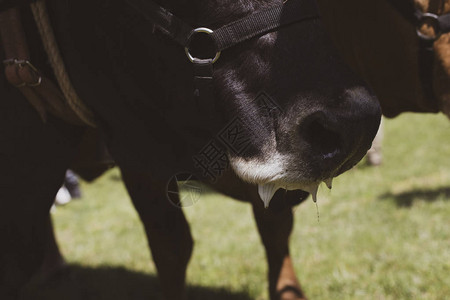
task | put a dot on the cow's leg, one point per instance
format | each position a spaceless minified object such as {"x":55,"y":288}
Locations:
{"x":375,"y":154}
{"x":167,"y":230}
{"x":275,"y":226}
{"x":29,"y":180}
{"x":53,"y":260}
{"x":33,"y":159}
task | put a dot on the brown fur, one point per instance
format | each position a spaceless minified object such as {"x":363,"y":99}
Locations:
{"x":382,"y":46}
{"x":442,"y":49}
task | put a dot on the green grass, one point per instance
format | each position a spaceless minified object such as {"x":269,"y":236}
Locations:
{"x":384,"y":233}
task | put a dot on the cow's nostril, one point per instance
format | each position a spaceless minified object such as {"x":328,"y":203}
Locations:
{"x":323,"y":140}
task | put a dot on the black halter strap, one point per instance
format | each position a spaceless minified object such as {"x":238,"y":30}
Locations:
{"x":253,"y":25}
{"x":441,"y":25}
{"x":264,"y":21}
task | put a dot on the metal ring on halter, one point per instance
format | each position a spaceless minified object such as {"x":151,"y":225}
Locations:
{"x":200,"y":30}
{"x":22,"y":64}
{"x":434,"y":22}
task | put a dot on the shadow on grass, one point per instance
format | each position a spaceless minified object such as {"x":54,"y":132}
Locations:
{"x":111,"y":283}
{"x":406,"y":199}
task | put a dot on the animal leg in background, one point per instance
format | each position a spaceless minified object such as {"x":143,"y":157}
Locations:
{"x":375,"y":154}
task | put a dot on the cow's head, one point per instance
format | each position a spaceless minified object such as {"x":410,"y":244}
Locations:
{"x":327,"y":117}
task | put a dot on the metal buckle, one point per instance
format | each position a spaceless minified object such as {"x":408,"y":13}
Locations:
{"x":21,"y":63}
{"x":200,"y":30}
{"x":434,"y":22}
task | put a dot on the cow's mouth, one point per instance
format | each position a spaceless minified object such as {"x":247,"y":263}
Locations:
{"x":271,"y":174}
{"x":267,"y":190}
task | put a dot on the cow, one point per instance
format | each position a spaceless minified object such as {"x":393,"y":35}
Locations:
{"x":156,"y":117}
{"x":400,"y":47}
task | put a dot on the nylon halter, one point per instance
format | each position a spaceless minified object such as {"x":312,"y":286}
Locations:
{"x":229,"y":35}
{"x":255,"y":24}
{"x":440,"y":24}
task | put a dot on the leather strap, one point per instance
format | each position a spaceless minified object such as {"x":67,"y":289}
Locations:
{"x":40,"y":91}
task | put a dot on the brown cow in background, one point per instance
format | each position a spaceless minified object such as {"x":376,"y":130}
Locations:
{"x":379,"y":40}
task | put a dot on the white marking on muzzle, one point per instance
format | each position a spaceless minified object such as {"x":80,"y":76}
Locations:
{"x":259,"y":170}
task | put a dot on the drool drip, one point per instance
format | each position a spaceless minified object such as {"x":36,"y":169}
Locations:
{"x":313,"y":191}
{"x":329,"y":182}
{"x":318,"y":213}
{"x":266,"y":192}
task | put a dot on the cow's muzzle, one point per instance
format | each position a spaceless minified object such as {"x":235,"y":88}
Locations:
{"x":337,"y":138}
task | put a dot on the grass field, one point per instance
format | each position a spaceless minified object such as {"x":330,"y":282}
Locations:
{"x":384,"y":233}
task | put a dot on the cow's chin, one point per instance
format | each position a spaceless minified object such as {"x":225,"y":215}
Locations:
{"x":271,"y":173}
